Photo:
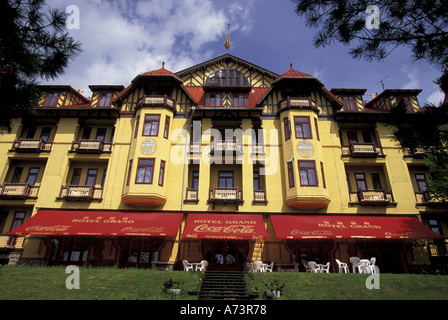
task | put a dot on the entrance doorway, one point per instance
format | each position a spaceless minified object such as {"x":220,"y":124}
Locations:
{"x":225,"y":255}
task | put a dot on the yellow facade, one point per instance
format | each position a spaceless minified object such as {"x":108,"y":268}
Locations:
{"x":225,"y":136}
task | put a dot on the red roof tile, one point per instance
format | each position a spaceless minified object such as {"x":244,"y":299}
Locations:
{"x":161,"y":71}
{"x":291,"y":73}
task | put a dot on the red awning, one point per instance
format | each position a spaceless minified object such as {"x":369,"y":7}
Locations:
{"x":349,"y":227}
{"x":225,"y":226}
{"x":100,"y":223}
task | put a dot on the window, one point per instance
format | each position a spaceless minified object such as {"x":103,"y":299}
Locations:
{"x":323,"y":175}
{"x":361,"y":183}
{"x":257,"y":181}
{"x":145,"y":171}
{"x":213,"y":100}
{"x":239,"y":100}
{"x":103,"y":181}
{"x":290,"y":174}
{"x":349,"y":103}
{"x":86,"y":133}
{"x":32,"y":176}
{"x":19,"y":217}
{"x":195,"y":181}
{"x":76,"y":177}
{"x":129,"y":172}
{"x":17,"y":175}
{"x":303,"y":127}
{"x":162,"y":172}
{"x":51,"y":100}
{"x":407,"y":102}
{"x":307,"y":170}
{"x":225,"y":179}
{"x":317,"y":129}
{"x":136,"y":126}
{"x":287,"y":128}
{"x":105,"y":99}
{"x":434,"y":225}
{"x":366,"y":136}
{"x":91,"y":177}
{"x":31,"y":132}
{"x":151,"y":127}
{"x":167,"y":127}
{"x":45,"y":133}
{"x":227,"y":78}
{"x":352,"y":137}
{"x":101,"y":134}
{"x":376,"y":182}
{"x":421,"y":182}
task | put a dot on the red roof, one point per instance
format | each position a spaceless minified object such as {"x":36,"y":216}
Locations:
{"x":291,"y":73}
{"x":161,"y":71}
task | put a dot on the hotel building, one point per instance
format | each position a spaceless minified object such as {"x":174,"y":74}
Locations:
{"x":224,"y":161}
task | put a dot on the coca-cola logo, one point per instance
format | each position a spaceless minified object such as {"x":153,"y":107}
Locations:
{"x":225,"y":229}
{"x":315,"y":233}
{"x":142,"y":230}
{"x":58,"y":228}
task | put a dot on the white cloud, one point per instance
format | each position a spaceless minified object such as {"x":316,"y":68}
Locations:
{"x":412,"y":78}
{"x":122,"y":38}
{"x":436,"y":97}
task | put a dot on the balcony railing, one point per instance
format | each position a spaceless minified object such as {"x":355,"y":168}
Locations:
{"x":162,"y":100}
{"x":191,"y":195}
{"x":362,"y":150}
{"x":11,"y":242}
{"x":31,"y":145}
{"x":195,"y":147}
{"x":225,"y":195}
{"x":81,"y":193}
{"x":297,"y":102}
{"x":260,"y":196}
{"x":226,"y":146}
{"x":18,"y":191}
{"x":426,"y":199}
{"x":413,"y":153}
{"x":91,"y":146}
{"x":371,"y":197}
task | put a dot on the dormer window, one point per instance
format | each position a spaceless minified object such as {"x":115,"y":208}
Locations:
{"x":349,"y":103}
{"x":105,"y":99}
{"x":227,"y":78}
{"x":51,"y":100}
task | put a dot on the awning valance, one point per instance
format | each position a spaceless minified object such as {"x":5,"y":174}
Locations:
{"x":225,"y":226}
{"x":100,"y":223}
{"x":349,"y":227}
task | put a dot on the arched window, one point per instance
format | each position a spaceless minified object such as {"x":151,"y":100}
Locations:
{"x":227,"y":78}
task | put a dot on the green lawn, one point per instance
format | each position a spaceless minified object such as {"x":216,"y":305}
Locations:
{"x":33,"y":283}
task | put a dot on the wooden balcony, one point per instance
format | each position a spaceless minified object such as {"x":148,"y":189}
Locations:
{"x":18,"y":191}
{"x":191,"y":195}
{"x":81,"y":193}
{"x":163,"y":101}
{"x":91,"y":146}
{"x":225,"y":195}
{"x":11,"y":242}
{"x":195,"y":148}
{"x":226,"y":146}
{"x":426,"y":199}
{"x":298,"y":103}
{"x":260,"y":197}
{"x":362,"y":150}
{"x":31,"y":146}
{"x":372,"y":198}
{"x":417,"y":153}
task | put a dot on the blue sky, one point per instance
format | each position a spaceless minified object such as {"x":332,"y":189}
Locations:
{"x":122,"y":38}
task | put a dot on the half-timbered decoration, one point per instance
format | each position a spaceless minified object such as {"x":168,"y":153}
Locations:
{"x":224,"y":161}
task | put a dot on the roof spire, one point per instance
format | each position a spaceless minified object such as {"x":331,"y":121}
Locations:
{"x":227,"y":44}
{"x":290,"y":65}
{"x":163,"y":65}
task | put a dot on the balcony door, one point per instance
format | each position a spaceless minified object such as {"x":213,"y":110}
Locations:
{"x":226,"y":179}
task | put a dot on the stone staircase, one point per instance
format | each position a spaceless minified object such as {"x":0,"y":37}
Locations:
{"x":224,"y":285}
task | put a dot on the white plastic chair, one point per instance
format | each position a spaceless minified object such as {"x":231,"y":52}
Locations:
{"x":187,"y":266}
{"x":250,"y":266}
{"x":203,"y":266}
{"x":258,"y":266}
{"x":307,"y":267}
{"x":372,"y":265}
{"x":269,"y":267}
{"x":325,"y":268}
{"x":313,"y":267}
{"x":364,"y":266}
{"x":355,"y":263}
{"x":343,"y":267}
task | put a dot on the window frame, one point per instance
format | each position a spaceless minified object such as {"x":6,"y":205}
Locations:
{"x":349,"y":103}
{"x":51,"y":100}
{"x":75,"y":170}
{"x":301,"y":166}
{"x":166,"y":130}
{"x":232,"y":179}
{"x":287,"y":128}
{"x":290,"y":169}
{"x":32,"y":175}
{"x":151,"y":122}
{"x":17,"y":175}
{"x":302,"y":123}
{"x":89,"y":175}
{"x":139,"y":165}
{"x":19,"y":220}
{"x":107,"y":96}
{"x":162,"y":170}
{"x":363,"y":179}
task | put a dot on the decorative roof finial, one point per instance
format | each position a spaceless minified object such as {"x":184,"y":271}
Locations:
{"x":163,"y":65}
{"x":227,"y":44}
{"x":290,"y":65}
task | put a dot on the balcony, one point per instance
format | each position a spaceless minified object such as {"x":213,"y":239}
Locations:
{"x":163,"y":101}
{"x":372,"y":198}
{"x":31,"y":145}
{"x":91,"y":146}
{"x":417,"y":153}
{"x":18,"y":191}
{"x":11,"y":242}
{"x":81,"y":193}
{"x":362,"y":150}
{"x":298,"y":103}
{"x":226,"y":146}
{"x":260,"y":197}
{"x":225,"y":195}
{"x":191,"y":195}
{"x":195,"y":148}
{"x":426,"y":199}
